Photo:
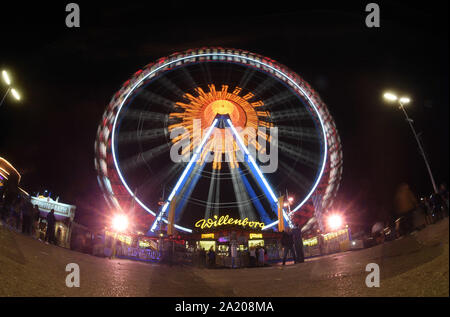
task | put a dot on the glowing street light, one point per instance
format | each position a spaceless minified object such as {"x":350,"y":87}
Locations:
{"x":390,"y":96}
{"x":13,"y":91}
{"x":5,"y":77}
{"x":120,"y":223}
{"x":403,"y":101}
{"x":335,"y":221}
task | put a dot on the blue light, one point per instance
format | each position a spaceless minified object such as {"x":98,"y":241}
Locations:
{"x":183,"y":176}
{"x":260,"y":174}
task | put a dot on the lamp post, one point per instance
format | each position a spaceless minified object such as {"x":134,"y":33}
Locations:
{"x":402,"y":102}
{"x":13,"y":91}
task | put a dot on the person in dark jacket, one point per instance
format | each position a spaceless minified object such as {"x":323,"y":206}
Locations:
{"x":28,"y":218}
{"x":212,"y":257}
{"x":51,"y":221}
{"x":288,"y":245}
{"x":298,"y":244}
{"x":35,"y":222}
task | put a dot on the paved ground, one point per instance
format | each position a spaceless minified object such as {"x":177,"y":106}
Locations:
{"x":413,"y":266}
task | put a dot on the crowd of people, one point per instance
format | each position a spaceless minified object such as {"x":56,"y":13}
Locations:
{"x":413,"y":214}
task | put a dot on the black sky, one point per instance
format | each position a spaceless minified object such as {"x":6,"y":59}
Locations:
{"x":68,"y":76}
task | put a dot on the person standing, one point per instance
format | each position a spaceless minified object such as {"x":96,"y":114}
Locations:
{"x":17,"y":214}
{"x":212,"y":257}
{"x":7,"y":201}
{"x":35,"y":220}
{"x":406,"y":203}
{"x":288,"y":245}
{"x":51,"y":221}
{"x":233,"y":251}
{"x":202,"y":257}
{"x":443,"y":192}
{"x":437,"y":206}
{"x":261,"y":256}
{"x":298,"y":244}
{"x":252,"y":253}
{"x":27,"y":222}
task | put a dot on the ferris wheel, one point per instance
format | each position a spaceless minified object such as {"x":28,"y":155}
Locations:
{"x":215,"y":131}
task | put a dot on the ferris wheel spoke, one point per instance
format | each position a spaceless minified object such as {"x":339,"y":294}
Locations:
{"x":146,"y":115}
{"x":207,"y":75}
{"x":305,"y":156}
{"x":166,"y":82}
{"x":263,"y":86}
{"x":140,"y":135}
{"x":187,"y":190}
{"x":278,"y":99}
{"x":163,"y":176}
{"x":288,"y":114}
{"x":189,"y":78}
{"x":248,"y":74}
{"x":245,"y":210}
{"x":298,"y":133}
{"x":212,"y":183}
{"x":141,"y":158}
{"x":217,"y":195}
{"x":293,"y":175}
{"x":154,"y":98}
{"x":255,"y":200}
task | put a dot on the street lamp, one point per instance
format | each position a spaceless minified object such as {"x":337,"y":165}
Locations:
{"x":5,"y":77}
{"x":335,"y":221}
{"x":402,"y":101}
{"x":7,"y":81}
{"x":120,"y":223}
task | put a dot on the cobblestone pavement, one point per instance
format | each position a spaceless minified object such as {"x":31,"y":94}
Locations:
{"x":416,"y":265}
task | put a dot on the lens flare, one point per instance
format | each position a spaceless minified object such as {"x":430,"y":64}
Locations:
{"x":335,"y":222}
{"x":120,"y":222}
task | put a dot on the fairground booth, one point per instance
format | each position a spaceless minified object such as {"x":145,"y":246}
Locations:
{"x":218,"y":232}
{"x":64,"y":214}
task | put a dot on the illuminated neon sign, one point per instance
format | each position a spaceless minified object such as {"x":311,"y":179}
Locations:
{"x":227,"y":220}
{"x":256,"y":236}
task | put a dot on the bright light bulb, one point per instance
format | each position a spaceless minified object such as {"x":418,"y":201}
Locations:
{"x":120,"y":222}
{"x":390,"y":96}
{"x":15,"y":94}
{"x":6,"y":77}
{"x":404,"y":100}
{"x":334,"y":222}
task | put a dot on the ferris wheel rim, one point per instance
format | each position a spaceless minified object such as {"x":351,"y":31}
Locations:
{"x":281,"y":72}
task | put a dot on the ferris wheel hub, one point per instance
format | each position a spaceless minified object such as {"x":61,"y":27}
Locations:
{"x":224,"y":107}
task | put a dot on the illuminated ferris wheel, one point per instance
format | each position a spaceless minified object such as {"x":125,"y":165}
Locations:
{"x":216,"y":131}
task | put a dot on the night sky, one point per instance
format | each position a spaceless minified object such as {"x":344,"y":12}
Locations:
{"x":68,"y":76}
